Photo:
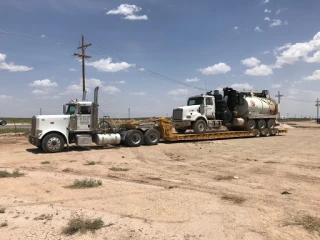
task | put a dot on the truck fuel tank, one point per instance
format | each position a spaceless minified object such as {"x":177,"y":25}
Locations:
{"x":108,"y":138}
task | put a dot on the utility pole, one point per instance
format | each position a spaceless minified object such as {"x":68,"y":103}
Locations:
{"x":40,"y":111}
{"x":279,"y":98}
{"x":317,"y":105}
{"x":83,"y":56}
{"x":129,"y":113}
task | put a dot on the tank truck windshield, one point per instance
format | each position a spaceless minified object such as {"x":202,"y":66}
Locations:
{"x":71,"y":109}
{"x":195,"y":101}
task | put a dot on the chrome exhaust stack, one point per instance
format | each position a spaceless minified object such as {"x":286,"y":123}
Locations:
{"x":95,"y":107}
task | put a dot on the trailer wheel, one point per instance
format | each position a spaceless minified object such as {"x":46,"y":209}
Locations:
{"x":3,"y":122}
{"x":134,"y":138}
{"x":257,"y":132}
{"x":271,"y":123}
{"x":53,"y":143}
{"x":200,"y":126}
{"x":180,"y":130}
{"x":261,"y":124}
{"x":276,"y":132}
{"x":250,"y":125}
{"x":266,"y":132}
{"x":151,"y":137}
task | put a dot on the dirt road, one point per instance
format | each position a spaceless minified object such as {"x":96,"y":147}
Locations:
{"x":255,"y":188}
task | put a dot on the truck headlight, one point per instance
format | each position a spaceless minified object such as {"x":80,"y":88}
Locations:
{"x":38,"y":133}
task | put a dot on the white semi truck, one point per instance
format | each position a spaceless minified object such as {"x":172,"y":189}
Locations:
{"x":237,"y":110}
{"x":79,"y":124}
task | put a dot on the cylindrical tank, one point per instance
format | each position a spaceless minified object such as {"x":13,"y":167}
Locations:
{"x":257,"y":106}
{"x":108,"y":138}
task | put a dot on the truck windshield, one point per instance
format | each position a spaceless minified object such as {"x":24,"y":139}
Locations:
{"x":195,"y":101}
{"x":71,"y":109}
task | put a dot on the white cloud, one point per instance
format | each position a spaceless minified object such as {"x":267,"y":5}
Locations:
{"x":266,"y":52}
{"x":177,"y":92}
{"x":299,"y":51}
{"x":279,"y":49}
{"x":276,"y":85}
{"x":276,"y":22}
{"x":129,"y":11}
{"x":43,"y":36}
{"x":45,"y":83}
{"x":92,"y":82}
{"x":236,"y":28}
{"x":314,"y":76}
{"x":241,"y":86}
{"x":266,"y":1}
{"x":5,"y":97}
{"x":138,"y":93}
{"x":278,"y":12}
{"x":73,"y":89}
{"x":257,"y":29}
{"x":267,"y":11}
{"x":215,"y":69}
{"x":250,"y":62}
{"x":38,"y":92}
{"x":141,"y":69}
{"x":110,"y":89}
{"x":267,"y":19}
{"x":106,"y":65}
{"x":285,"y":23}
{"x":192,"y":80}
{"x":11,"y":67}
{"x":72,"y":69}
{"x":119,"y":82}
{"x":314,"y":59}
{"x":261,"y":70}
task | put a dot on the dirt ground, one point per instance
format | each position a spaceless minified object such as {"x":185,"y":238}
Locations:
{"x":249,"y":188}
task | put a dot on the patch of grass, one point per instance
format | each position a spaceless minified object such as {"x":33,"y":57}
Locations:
{"x":14,"y":174}
{"x":4,"y":224}
{"x":47,"y":217}
{"x":233,"y":198}
{"x":116,"y":169}
{"x":90,"y":163}
{"x":45,"y":162}
{"x":221,"y":178}
{"x":85,"y":183}
{"x":82,"y":224}
{"x":17,"y":120}
{"x":12,"y":130}
{"x":310,"y":223}
{"x":67,"y":170}
{"x":2,"y":210}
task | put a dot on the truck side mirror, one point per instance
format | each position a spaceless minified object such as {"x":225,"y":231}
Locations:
{"x":64,"y":109}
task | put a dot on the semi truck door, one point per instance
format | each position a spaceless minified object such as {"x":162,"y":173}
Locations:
{"x":209,"y":108}
{"x":84,"y":118}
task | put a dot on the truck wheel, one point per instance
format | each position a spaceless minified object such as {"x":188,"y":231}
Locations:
{"x":257,"y":132}
{"x":3,"y":122}
{"x":134,"y":138}
{"x":151,"y":137}
{"x":251,"y":125}
{"x":266,"y":132}
{"x":53,"y":143}
{"x":200,"y":126}
{"x":261,"y":124}
{"x":271,"y":123}
{"x":180,"y":130}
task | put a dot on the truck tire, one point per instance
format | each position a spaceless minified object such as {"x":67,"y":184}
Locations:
{"x":200,"y":126}
{"x":250,"y":125}
{"x":180,"y":130}
{"x":261,"y":124}
{"x":53,"y":143}
{"x":151,"y":137}
{"x":266,"y":132}
{"x":3,"y":122}
{"x":271,"y":123}
{"x":134,"y":138}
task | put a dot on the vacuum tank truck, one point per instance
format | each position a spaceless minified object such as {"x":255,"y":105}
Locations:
{"x":237,"y":110}
{"x":79,"y":124}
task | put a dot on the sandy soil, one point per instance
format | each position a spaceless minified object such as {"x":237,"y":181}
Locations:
{"x":223,"y":189}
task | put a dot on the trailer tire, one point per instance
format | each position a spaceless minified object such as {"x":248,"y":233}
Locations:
{"x":53,"y":142}
{"x":3,"y":122}
{"x":151,"y":137}
{"x":200,"y":126}
{"x":261,"y":124}
{"x":271,"y":123}
{"x":266,"y":132}
{"x":134,"y":138}
{"x":180,"y":130}
{"x":257,"y":133}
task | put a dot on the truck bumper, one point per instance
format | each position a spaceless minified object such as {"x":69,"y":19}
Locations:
{"x":181,"y":124}
{"x":34,"y":141}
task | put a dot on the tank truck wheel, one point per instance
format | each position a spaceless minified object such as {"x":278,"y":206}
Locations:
{"x":266,"y":132}
{"x":276,"y":132}
{"x":250,"y":125}
{"x":53,"y":143}
{"x":151,"y":137}
{"x":271,"y":123}
{"x":261,"y":124}
{"x":134,"y":138}
{"x":180,"y":130}
{"x":257,"y":132}
{"x":200,"y":126}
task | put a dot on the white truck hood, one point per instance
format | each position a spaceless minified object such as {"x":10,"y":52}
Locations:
{"x":190,"y":108}
{"x":53,"y":117}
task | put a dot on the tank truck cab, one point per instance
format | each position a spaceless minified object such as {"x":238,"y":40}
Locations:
{"x":199,"y":114}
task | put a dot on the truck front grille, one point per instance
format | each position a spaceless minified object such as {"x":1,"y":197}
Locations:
{"x":177,"y":114}
{"x":33,"y":127}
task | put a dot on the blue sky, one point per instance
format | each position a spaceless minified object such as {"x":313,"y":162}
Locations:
{"x":147,"y":54}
